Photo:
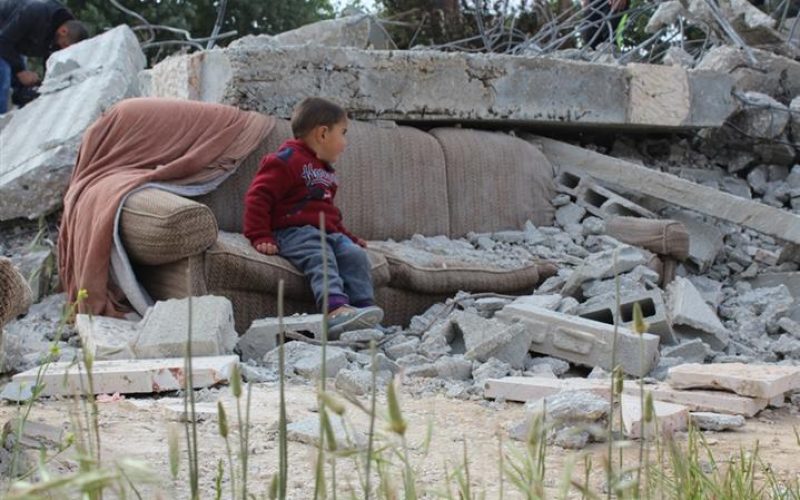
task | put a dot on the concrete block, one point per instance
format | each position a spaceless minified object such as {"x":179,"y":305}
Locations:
{"x":492,"y":369}
{"x":583,"y":341}
{"x":708,"y":421}
{"x":654,"y":312}
{"x":606,"y":204}
{"x":699,"y":400}
{"x":307,"y":431}
{"x":524,"y":389}
{"x":107,"y":338}
{"x":692,"y":317}
{"x":81,"y":82}
{"x":263,"y":334}
{"x":690,"y":351}
{"x":492,"y":87}
{"x":600,"y":265}
{"x":164,"y":330}
{"x":123,"y":376}
{"x":757,"y":381}
{"x":668,"y":418}
{"x":306,"y":360}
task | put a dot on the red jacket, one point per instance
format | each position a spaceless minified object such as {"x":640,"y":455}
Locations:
{"x":291,"y":188}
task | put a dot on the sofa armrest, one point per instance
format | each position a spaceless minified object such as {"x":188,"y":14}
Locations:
{"x":158,"y":227}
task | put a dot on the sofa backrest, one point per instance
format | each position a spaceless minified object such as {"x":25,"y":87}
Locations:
{"x":495,"y":181}
{"x":396,"y":181}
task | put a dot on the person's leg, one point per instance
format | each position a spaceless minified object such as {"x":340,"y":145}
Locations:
{"x":354,"y":270}
{"x":5,"y":85}
{"x":301,"y":246}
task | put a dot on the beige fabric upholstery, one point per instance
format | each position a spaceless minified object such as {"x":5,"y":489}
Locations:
{"x":15,"y":294}
{"x":392,"y":183}
{"x":495,"y":181}
{"x":233,"y":263}
{"x":227,"y":201}
{"x":158,"y":227}
{"x":449,"y":275}
{"x":664,"y":236}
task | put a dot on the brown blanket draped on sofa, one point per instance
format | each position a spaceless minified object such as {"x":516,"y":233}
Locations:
{"x":140,"y":141}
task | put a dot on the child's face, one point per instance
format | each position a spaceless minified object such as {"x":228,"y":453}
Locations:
{"x":332,"y":141}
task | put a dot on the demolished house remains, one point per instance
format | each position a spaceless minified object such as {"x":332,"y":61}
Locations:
{"x":519,"y":209}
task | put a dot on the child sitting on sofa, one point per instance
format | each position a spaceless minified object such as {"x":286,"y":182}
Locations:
{"x":281,"y":215}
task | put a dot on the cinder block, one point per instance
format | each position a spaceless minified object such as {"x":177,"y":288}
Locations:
{"x":596,"y":199}
{"x":757,"y":381}
{"x":264,"y":334}
{"x":654,"y":312}
{"x":525,"y":389}
{"x":123,"y":376}
{"x":583,"y":341}
{"x":668,"y":418}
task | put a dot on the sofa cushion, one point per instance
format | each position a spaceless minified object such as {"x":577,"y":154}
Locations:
{"x":495,"y":181}
{"x":158,"y":227}
{"x":392,"y":183}
{"x":232,"y":263}
{"x":426,"y":272}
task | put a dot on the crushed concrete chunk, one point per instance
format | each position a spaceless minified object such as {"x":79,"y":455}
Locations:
{"x":306,"y":360}
{"x":107,"y":338}
{"x":524,"y":389}
{"x":164,"y":330}
{"x":708,"y":421}
{"x":692,"y":317}
{"x":307,"y":431}
{"x":668,"y":418}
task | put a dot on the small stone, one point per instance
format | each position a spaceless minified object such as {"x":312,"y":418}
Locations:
{"x":494,"y":368}
{"x":359,"y":382}
{"x":454,"y":368}
{"x":306,"y":359}
{"x":398,"y":351}
{"x":307,"y":431}
{"x":570,"y":214}
{"x":558,"y":366}
{"x":709,"y":421}
{"x":364,"y":336}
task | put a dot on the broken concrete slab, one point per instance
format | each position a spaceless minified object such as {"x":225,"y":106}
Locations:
{"x":489,"y":338}
{"x":492,"y":369}
{"x":762,"y":117}
{"x":668,"y":418}
{"x":701,"y":400}
{"x":692,"y":317}
{"x":524,"y":389}
{"x":263,"y":334}
{"x":690,"y":351}
{"x":306,"y":360}
{"x":708,"y":421}
{"x":771,"y":73}
{"x":164,"y":330}
{"x":756,"y":381}
{"x":32,"y":435}
{"x":122,"y":376}
{"x":768,"y":220}
{"x":399,"y":85}
{"x":81,"y":82}
{"x":107,"y":338}
{"x":361,"y":31}
{"x":583,"y":341}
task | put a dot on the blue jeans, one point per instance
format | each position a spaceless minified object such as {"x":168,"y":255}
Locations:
{"x":349,"y":279}
{"x":5,"y":85}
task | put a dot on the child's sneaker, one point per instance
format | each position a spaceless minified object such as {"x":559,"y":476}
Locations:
{"x":352,"y":318}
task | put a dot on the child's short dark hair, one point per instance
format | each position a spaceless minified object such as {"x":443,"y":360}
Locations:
{"x":313,"y":112}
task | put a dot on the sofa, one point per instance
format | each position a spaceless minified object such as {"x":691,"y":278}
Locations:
{"x":395,"y":181}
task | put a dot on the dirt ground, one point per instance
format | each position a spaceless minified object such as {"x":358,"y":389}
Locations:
{"x":137,"y":428}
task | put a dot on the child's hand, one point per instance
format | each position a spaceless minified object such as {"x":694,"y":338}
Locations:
{"x":267,"y":248}
{"x":361,"y":243}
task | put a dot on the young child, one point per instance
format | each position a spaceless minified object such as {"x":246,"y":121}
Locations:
{"x":281,"y":216}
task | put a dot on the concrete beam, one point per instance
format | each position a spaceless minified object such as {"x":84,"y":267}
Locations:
{"x":449,"y":86}
{"x":768,"y":220}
